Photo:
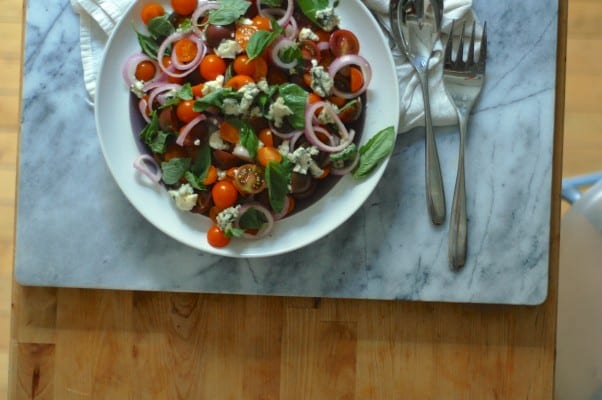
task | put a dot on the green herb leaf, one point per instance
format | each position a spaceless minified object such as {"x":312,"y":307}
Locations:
{"x":260,"y":40}
{"x":184,"y":93}
{"x":290,"y":54}
{"x":160,"y":27}
{"x":272,"y":3}
{"x":212,"y":99}
{"x":199,"y":168}
{"x":252,"y":219}
{"x":278,"y":177}
{"x":174,"y":169}
{"x":295,"y":98}
{"x":234,"y":232}
{"x":376,"y":150}
{"x":154,"y":137}
{"x":248,"y":138}
{"x":228,"y":12}
{"x":310,"y":7}
{"x":149,"y":46}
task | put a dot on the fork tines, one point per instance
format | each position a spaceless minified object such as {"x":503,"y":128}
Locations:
{"x":459,"y":63}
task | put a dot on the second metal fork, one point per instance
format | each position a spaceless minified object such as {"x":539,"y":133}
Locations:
{"x":463,"y":80}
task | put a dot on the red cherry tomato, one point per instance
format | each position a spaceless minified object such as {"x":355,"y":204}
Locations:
{"x":249,"y":179}
{"x":344,"y":42}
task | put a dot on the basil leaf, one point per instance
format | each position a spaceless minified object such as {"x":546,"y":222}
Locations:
{"x":199,"y":168}
{"x":149,"y":46}
{"x":290,"y":54}
{"x":272,"y":3}
{"x":174,"y":169}
{"x":295,"y":98}
{"x":212,"y":99}
{"x":154,"y":137}
{"x":377,"y":149}
{"x":252,"y":219}
{"x":260,"y":40}
{"x":310,"y":7}
{"x":234,"y":232}
{"x":160,"y":27}
{"x":248,"y":138}
{"x":184,"y":93}
{"x":228,"y":12}
{"x":278,"y":177}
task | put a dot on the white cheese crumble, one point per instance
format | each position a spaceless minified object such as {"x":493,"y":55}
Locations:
{"x":321,"y":81}
{"x":249,"y":91}
{"x":231,"y":107}
{"x":216,"y":142}
{"x":228,"y":48}
{"x":212,"y":86}
{"x":308,"y":34}
{"x":227,"y":217}
{"x":263,"y":85}
{"x":284,"y":148}
{"x":138,"y":88}
{"x":302,"y":158}
{"x":279,"y":110}
{"x":324,"y":117}
{"x":184,"y":197}
{"x":244,"y":21}
{"x":327,"y":18}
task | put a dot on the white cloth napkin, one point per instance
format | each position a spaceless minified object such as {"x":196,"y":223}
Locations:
{"x":98,"y":18}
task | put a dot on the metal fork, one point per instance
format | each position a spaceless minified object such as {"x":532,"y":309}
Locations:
{"x":463,"y":80}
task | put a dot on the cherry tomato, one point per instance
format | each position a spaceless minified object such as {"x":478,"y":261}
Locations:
{"x":197,"y":90}
{"x":266,"y":137}
{"x":214,"y":34}
{"x":185,"y":111}
{"x":216,"y":237}
{"x":344,"y":42}
{"x":224,"y":194}
{"x":249,"y":179}
{"x":211,"y":176}
{"x":229,"y":132}
{"x":212,"y":66}
{"x":356,"y":79}
{"x":256,"y":68}
{"x":225,"y":160}
{"x":186,"y":50}
{"x":145,"y":71}
{"x":262,"y":23}
{"x":151,"y":11}
{"x":166,"y":62}
{"x":183,"y":7}
{"x":243,"y":34}
{"x":337,"y":101}
{"x":238,"y":81}
{"x":310,"y":51}
{"x":267,"y":154}
{"x":313,"y":98}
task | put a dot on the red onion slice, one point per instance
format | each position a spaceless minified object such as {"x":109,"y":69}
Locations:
{"x":144,"y":162}
{"x":200,"y":11}
{"x":323,"y":46}
{"x":310,"y":130}
{"x":186,"y":129}
{"x":158,"y":90}
{"x":189,"y":67}
{"x":143,"y":107}
{"x":348,"y":60}
{"x":348,"y":168}
{"x":268,"y":12}
{"x":129,"y":68}
{"x":196,"y":61}
{"x":265,"y":229}
{"x":281,"y":44}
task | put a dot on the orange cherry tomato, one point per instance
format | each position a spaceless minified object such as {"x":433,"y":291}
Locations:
{"x":184,"y":7}
{"x":197,"y":90}
{"x":166,"y":62}
{"x":356,"y":80}
{"x":151,"y":11}
{"x":256,"y":68}
{"x":145,"y":71}
{"x":266,"y":137}
{"x":243,"y":34}
{"x":216,"y":237}
{"x":185,"y":111}
{"x":238,"y":81}
{"x":262,"y":23}
{"x":313,"y":98}
{"x":325,"y":173}
{"x":267,"y":154}
{"x":211,"y":177}
{"x":337,"y":101}
{"x":213,"y":211}
{"x":212,"y":66}
{"x":229,"y":132}
{"x":224,"y":194}
{"x":186,"y":50}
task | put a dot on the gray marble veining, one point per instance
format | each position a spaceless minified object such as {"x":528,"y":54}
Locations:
{"x":76,"y":229}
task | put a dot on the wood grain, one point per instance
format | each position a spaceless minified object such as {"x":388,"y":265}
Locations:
{"x":74,"y":344}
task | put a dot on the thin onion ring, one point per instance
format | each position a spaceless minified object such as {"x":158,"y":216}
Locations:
{"x":288,"y":13}
{"x":345,"y":61}
{"x":310,"y":131}
{"x":186,"y":129}
{"x":129,"y":67}
{"x":174,"y":37}
{"x":348,"y":168}
{"x":141,"y":164}
{"x":143,"y":107}
{"x":265,"y":229}
{"x":200,"y":11}
{"x":280,"y":45}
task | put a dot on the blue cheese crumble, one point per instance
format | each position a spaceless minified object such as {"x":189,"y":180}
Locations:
{"x":302,"y":158}
{"x":228,"y":48}
{"x":185,"y":197}
{"x":138,"y":89}
{"x":212,"y":86}
{"x":278,"y":111}
{"x":308,"y":34}
{"x":327,"y":18}
{"x":321,"y":81}
{"x":226,"y":218}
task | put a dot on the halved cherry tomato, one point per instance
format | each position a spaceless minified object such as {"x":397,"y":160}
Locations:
{"x":344,"y":42}
{"x":145,"y":71}
{"x":256,"y":68}
{"x":225,"y":160}
{"x":184,"y":7}
{"x":211,"y":176}
{"x":151,"y":11}
{"x":267,"y":154}
{"x":313,"y":98}
{"x":310,"y":51}
{"x":216,"y":237}
{"x":266,"y":137}
{"x":174,"y":151}
{"x":212,"y":66}
{"x":337,"y":101}
{"x":186,"y":50}
{"x":249,"y":179}
{"x":262,"y":23}
{"x":224,"y":194}
{"x":197,"y":90}
{"x":356,"y":79}
{"x":238,"y":81}
{"x":243,"y":34}
{"x":185,"y":111}
{"x":229,"y":132}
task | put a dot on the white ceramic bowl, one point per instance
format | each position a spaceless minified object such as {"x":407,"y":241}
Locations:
{"x":120,"y":147}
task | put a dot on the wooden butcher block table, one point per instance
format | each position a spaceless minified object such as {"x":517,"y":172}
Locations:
{"x":77,"y":337}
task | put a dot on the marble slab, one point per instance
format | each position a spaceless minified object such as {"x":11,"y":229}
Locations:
{"x":76,"y":229}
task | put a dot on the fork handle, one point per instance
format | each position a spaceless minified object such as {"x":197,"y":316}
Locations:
{"x":435,"y":195}
{"x":458,"y":220}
